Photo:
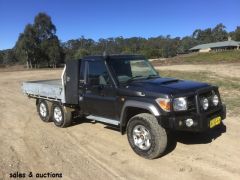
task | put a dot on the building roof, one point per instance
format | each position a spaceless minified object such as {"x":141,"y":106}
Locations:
{"x":216,"y":45}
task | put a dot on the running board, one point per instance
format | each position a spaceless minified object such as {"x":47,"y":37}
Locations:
{"x":102,"y":119}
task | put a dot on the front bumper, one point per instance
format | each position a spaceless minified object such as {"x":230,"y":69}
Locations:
{"x":201,"y":120}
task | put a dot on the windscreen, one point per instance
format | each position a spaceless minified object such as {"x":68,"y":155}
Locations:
{"x":129,"y":69}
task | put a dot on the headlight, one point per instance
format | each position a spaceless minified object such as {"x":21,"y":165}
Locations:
{"x":215,"y":100}
{"x":180,"y":104}
{"x":205,"y":103}
{"x":164,"y":103}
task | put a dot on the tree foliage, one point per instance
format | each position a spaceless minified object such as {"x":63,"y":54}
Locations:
{"x":218,"y":33}
{"x":7,"y":57}
{"x":44,"y":27}
{"x":38,"y":45}
{"x":236,"y":34}
{"x":155,"y":47}
{"x":27,"y":46}
{"x":1,"y":58}
{"x":80,"y":53}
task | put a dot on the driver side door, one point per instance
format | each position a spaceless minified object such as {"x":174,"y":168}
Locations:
{"x":100,"y":95}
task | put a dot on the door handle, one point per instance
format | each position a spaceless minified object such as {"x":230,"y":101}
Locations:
{"x":100,"y":87}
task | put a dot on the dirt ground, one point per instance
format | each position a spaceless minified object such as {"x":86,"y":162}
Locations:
{"x":90,"y":150}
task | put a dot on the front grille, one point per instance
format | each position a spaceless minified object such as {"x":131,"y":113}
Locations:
{"x":194,"y":101}
{"x":191,"y":103}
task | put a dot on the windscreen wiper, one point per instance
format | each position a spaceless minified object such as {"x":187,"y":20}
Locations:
{"x":153,"y":76}
{"x":133,"y":78}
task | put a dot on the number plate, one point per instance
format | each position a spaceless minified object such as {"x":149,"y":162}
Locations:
{"x":215,"y":121}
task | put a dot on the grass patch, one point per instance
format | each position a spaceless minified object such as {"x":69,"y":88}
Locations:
{"x":232,"y":56}
{"x":232,"y":102}
{"x":227,"y":83}
{"x":229,"y":87}
{"x":214,"y":57}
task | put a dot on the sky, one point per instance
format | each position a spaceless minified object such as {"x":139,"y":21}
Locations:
{"x":111,"y":18}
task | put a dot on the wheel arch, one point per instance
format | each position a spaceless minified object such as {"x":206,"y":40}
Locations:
{"x":131,"y":108}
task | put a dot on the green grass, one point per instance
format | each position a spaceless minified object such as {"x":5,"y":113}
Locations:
{"x":214,"y":57}
{"x":212,"y":78}
{"x":232,"y":56}
{"x":229,"y":87}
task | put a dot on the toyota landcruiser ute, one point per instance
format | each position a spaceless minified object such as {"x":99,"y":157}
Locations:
{"x":127,"y":92}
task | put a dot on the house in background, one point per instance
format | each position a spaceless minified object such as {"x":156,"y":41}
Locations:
{"x":216,"y":46}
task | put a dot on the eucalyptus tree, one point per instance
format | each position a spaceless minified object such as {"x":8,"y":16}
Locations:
{"x":219,"y":33}
{"x":38,"y":44}
{"x":26,"y":47}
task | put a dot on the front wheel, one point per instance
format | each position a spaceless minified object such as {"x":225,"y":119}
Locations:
{"x":146,"y":137}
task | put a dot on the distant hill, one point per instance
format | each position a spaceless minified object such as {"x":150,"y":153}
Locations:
{"x":202,"y":58}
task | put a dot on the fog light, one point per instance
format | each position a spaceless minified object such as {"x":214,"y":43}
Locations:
{"x":189,"y":122}
{"x":215,"y":100}
{"x":180,"y":123}
{"x":205,"y":103}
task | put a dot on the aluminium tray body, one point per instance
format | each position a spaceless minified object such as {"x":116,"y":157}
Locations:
{"x":49,"y":89}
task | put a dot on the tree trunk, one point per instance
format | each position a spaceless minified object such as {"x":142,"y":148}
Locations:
{"x":27,"y":65}
{"x":54,"y":64}
{"x":30,"y":63}
{"x":35,"y":63}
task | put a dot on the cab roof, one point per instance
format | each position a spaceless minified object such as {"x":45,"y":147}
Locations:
{"x":120,"y":57}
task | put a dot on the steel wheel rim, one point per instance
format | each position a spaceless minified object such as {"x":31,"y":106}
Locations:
{"x":141,"y":137}
{"x":57,"y":114}
{"x":43,"y":110}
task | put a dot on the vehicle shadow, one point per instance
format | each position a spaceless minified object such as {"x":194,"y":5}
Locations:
{"x":81,"y":120}
{"x":200,"y":138}
{"x":189,"y":138}
{"x":112,"y":127}
{"x":171,"y":144}
{"x":174,"y":137}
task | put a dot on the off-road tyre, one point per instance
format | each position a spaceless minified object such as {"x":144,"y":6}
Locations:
{"x":44,"y":110}
{"x":61,"y":116}
{"x":158,"y":135}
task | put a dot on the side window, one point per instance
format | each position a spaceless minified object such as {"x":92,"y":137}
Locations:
{"x":97,"y":73}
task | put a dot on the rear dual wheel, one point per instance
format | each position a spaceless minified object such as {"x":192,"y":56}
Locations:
{"x":61,"y":116}
{"x":55,"y":112}
{"x":43,"y":110}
